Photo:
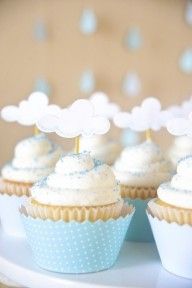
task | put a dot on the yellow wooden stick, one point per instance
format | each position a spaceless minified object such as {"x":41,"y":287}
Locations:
{"x":148,"y":134}
{"x":36,"y":130}
{"x":77,"y":144}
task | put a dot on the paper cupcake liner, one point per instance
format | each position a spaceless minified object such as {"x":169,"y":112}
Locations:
{"x":10,"y":216}
{"x":74,"y":247}
{"x":174,"y":245}
{"x":139,"y":229}
{"x":134,"y":192}
{"x":169,"y":213}
{"x":14,"y":188}
{"x":80,"y":214}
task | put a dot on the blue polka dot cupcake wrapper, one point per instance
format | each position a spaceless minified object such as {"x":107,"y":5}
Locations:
{"x":73,"y":247}
{"x":139,"y":230}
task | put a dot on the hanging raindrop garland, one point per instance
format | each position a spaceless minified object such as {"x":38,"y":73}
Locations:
{"x":133,"y":41}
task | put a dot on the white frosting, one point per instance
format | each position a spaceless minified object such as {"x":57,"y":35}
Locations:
{"x":34,"y":158}
{"x":182,"y":147}
{"x":142,"y":165}
{"x":178,"y":192}
{"x":78,"y":180}
{"x":101,"y":148}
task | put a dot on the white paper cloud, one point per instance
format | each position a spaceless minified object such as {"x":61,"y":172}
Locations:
{"x":180,"y":126}
{"x":103,"y":106}
{"x":182,"y":110}
{"x":29,"y":111}
{"x":147,"y":116}
{"x":78,"y":119}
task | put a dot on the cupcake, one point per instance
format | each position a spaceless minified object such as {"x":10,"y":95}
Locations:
{"x":101,"y":148}
{"x":76,"y":220}
{"x":182,"y":147}
{"x":34,"y":158}
{"x":170,"y":216}
{"x":140,"y":169}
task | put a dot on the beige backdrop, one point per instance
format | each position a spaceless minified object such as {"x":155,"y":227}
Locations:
{"x":66,"y":53}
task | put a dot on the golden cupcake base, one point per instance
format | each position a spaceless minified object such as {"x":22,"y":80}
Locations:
{"x":14,"y":188}
{"x":164,"y":211}
{"x":134,"y":192}
{"x":80,"y":214}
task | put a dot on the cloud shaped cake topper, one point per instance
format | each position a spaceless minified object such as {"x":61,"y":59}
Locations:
{"x":29,"y":111}
{"x":182,"y":110}
{"x":103,"y":106}
{"x":78,"y":119}
{"x":148,"y":116}
{"x":180,"y":126}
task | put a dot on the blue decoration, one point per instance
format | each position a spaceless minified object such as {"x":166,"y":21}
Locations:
{"x":133,"y":39}
{"x":131,"y":84}
{"x":42,"y":85}
{"x":40,"y":32}
{"x":139,"y":230}
{"x":129,"y":137}
{"x":188,"y":12}
{"x":75,"y":247}
{"x":88,"y":22}
{"x":185,"y":61}
{"x":87,"y":82}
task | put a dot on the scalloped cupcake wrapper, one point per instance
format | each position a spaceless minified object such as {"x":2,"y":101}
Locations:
{"x":80,"y":214}
{"x":139,"y":230}
{"x":134,"y":192}
{"x":169,"y":213}
{"x":74,"y":247}
{"x":174,"y":245}
{"x":13,"y":188}
{"x":10,"y":216}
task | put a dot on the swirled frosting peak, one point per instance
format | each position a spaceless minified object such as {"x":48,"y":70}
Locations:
{"x":34,"y":158}
{"x":78,"y":180}
{"x":178,"y":192}
{"x":182,"y":179}
{"x":74,"y":163}
{"x":142,"y":165}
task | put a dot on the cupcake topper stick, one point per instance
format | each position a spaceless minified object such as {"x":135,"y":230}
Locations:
{"x":29,"y":111}
{"x":144,"y":118}
{"x":148,"y":134}
{"x":36,"y":130}
{"x":77,"y":120}
{"x":77,"y":144}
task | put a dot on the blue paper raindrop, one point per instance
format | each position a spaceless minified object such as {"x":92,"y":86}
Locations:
{"x":40,"y":32}
{"x":88,"y":22}
{"x":131,"y":84}
{"x":133,"y":39}
{"x":185,"y":61}
{"x":87,"y":82}
{"x":188,"y":12}
{"x":42,"y":85}
{"x":129,"y":138}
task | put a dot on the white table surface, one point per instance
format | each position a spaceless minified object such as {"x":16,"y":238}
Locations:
{"x":138,"y":266}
